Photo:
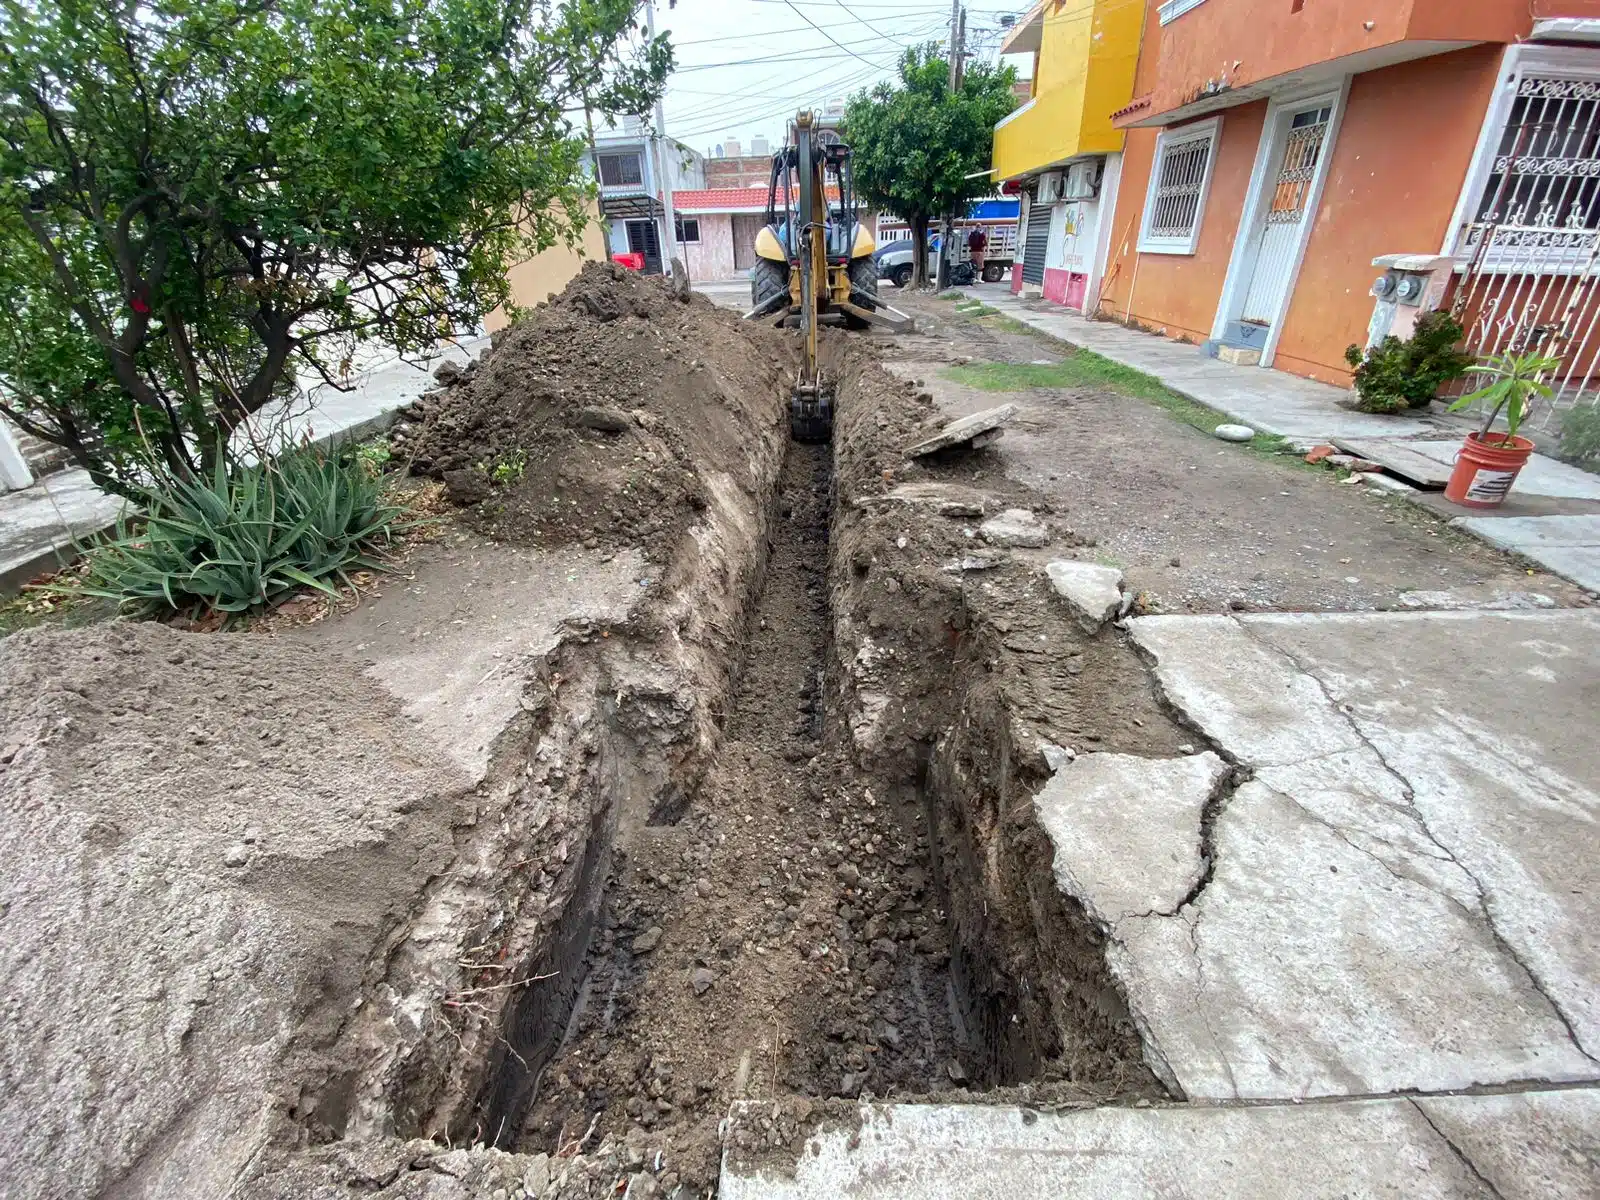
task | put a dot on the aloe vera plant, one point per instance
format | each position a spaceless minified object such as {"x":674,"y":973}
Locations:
{"x":234,"y":541}
{"x":1515,"y":384}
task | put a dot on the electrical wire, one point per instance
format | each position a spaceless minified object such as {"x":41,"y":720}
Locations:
{"x":821,"y":30}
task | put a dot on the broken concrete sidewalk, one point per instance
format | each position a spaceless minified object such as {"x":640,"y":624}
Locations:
{"x":1502,"y":1147}
{"x":1092,"y":591}
{"x":978,"y":430}
{"x":1404,"y":897}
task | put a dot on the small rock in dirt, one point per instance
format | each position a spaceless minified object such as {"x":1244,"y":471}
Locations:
{"x":10,"y":752}
{"x":1015,"y":527}
{"x":1093,"y":592}
{"x":850,"y":874}
{"x":446,"y":371}
{"x":1234,"y":433}
{"x":236,"y":855}
{"x":960,"y":508}
{"x":537,"y":1177}
{"x":703,"y":886}
{"x":467,"y":486}
{"x":606,"y":420}
{"x":701,"y":980}
{"x":1056,"y":757}
{"x":1175,"y":562}
{"x":1186,"y":748}
{"x":979,"y":561}
{"x":963,"y":430}
{"x":648,"y":940}
{"x":957,"y":1073}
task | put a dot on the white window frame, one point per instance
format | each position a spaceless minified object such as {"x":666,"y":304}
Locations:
{"x":1208,"y":130}
{"x":1569,"y":62}
{"x":683,"y":225}
{"x":1173,"y":9}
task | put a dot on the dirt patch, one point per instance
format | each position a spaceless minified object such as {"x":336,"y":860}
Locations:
{"x":204,"y":837}
{"x":604,"y":418}
{"x":1198,"y":525}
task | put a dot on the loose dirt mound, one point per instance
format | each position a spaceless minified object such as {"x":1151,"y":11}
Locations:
{"x":203,"y":839}
{"x":605,"y":416}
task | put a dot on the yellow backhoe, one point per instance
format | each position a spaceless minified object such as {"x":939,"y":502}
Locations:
{"x":814,"y":261}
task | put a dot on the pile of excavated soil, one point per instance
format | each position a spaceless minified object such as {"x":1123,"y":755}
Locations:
{"x":605,"y":416}
{"x":205,"y":838}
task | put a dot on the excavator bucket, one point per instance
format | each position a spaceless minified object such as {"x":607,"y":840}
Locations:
{"x":811,"y":411}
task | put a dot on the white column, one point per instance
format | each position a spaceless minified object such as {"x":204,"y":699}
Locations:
{"x":14,"y":473}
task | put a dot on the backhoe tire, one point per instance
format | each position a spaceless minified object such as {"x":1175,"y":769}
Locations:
{"x":767,"y":279}
{"x":863,"y":283}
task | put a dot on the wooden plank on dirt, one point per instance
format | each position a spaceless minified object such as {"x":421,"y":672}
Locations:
{"x":1399,"y":459}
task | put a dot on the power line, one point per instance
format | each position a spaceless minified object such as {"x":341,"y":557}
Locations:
{"x":821,"y":30}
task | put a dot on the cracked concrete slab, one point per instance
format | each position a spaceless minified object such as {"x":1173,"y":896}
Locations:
{"x":1404,"y":896}
{"x":1507,"y":1147}
{"x":1117,"y":866}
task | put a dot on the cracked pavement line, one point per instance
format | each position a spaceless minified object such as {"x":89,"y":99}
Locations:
{"x":1485,"y":911}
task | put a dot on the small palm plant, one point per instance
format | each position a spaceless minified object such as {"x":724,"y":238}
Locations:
{"x":1515,"y":384}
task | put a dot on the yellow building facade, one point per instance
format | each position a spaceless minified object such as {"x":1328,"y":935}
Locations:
{"x":1061,"y":148}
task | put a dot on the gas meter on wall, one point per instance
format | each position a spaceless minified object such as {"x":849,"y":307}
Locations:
{"x":1410,"y":285}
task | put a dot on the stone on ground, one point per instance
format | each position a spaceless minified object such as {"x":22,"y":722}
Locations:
{"x":1015,"y":527}
{"x":1229,"y":432}
{"x":1092,"y":591}
{"x":1513,"y":1147}
{"x":963,"y":429}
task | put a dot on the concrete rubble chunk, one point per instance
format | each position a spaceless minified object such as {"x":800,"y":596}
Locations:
{"x":963,"y":430}
{"x":1015,"y":527}
{"x":1092,"y":591}
{"x":1127,"y":830}
{"x":1382,"y":1147}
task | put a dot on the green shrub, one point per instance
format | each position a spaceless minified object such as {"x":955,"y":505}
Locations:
{"x":1580,"y":436}
{"x":243,"y":540}
{"x":1395,"y":375}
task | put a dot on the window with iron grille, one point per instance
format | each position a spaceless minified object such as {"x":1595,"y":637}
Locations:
{"x":620,"y":170}
{"x":1542,"y":193}
{"x":1180,"y":176}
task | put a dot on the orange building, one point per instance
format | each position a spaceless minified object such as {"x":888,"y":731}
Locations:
{"x":1275,"y":148}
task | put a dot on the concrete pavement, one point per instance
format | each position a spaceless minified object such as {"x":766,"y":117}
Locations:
{"x":1535,"y":1145}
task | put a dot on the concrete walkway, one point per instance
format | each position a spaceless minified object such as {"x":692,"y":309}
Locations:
{"x":41,"y":525}
{"x":1306,"y":411}
{"x":1375,"y":890}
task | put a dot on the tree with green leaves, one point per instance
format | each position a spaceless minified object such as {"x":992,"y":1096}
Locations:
{"x":202,"y":200}
{"x":920,"y":149}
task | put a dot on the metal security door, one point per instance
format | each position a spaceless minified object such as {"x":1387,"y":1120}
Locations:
{"x":1279,"y":235}
{"x":1036,"y":242}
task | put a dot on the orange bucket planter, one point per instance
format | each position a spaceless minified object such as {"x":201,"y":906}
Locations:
{"x":1486,"y":469}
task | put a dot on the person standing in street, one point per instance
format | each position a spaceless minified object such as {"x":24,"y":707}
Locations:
{"x":977,"y":242}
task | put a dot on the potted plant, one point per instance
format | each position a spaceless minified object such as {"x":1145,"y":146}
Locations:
{"x":1396,"y":375}
{"x":1489,"y":460}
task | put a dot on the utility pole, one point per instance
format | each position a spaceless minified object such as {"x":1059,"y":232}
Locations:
{"x":958,"y":35}
{"x":669,"y":218}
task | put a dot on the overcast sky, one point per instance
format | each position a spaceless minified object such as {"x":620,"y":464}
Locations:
{"x":717,"y":93}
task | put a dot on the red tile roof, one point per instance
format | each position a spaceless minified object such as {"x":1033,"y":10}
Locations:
{"x":713,"y":200}
{"x":719,"y":199}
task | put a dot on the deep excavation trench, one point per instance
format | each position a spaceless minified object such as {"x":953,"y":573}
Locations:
{"x":851,"y":900}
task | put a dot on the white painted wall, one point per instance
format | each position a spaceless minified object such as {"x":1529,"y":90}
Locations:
{"x":14,"y":473}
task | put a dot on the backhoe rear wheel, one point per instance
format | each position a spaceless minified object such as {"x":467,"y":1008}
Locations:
{"x":767,"y":279}
{"x":863,"y":290}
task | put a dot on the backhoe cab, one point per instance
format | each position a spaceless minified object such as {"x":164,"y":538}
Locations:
{"x":814,"y":260}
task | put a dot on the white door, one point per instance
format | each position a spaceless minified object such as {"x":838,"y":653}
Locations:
{"x":1278,"y":235}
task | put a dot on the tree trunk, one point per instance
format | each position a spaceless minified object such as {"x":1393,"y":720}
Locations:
{"x":919,"y":251}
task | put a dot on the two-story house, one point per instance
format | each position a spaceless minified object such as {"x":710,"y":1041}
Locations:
{"x":631,"y":193}
{"x":1275,"y":148}
{"x":1060,"y":151}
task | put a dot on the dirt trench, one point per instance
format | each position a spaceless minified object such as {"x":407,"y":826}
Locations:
{"x":852,"y":900}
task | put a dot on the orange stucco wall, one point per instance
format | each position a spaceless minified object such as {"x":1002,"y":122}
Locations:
{"x":1178,"y":292}
{"x":1235,"y":43}
{"x":1396,"y":170}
